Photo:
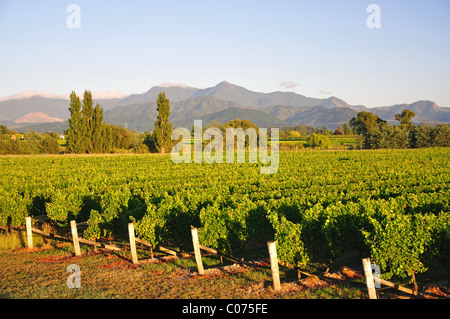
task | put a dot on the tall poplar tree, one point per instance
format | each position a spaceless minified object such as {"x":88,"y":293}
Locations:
{"x":87,"y":132}
{"x":98,"y":136}
{"x":163,"y":129}
{"x":87,"y":121}
{"x":75,"y":133}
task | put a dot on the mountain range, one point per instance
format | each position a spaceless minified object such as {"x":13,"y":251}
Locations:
{"x":221,"y":103}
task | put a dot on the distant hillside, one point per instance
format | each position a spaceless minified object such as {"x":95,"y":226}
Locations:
{"x":230,"y":92}
{"x":173,"y":93}
{"x":138,"y":117}
{"x":11,"y":110}
{"x":260,"y":118}
{"x":312,"y":115}
{"x":233,"y":93}
{"x":426,"y":111}
{"x":198,"y":107}
{"x":330,"y":112}
{"x":138,"y":111}
{"x":58,"y":127}
{"x":283,"y":112}
{"x":321,"y":116}
{"x":141,"y":117}
{"x":37,"y":117}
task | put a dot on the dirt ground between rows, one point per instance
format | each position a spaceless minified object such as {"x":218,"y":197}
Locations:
{"x":345,"y":275}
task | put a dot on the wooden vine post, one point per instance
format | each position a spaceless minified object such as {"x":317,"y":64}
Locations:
{"x":132,"y":243}
{"x":29,"y":232}
{"x":76,"y":241}
{"x":370,"y":281}
{"x":272,"y":246}
{"x":198,"y":255}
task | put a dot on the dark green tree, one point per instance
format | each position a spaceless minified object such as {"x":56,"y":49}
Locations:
{"x":87,"y":132}
{"x":149,"y":141}
{"x":405,"y":117}
{"x":76,"y":131}
{"x":49,"y":145}
{"x":442,"y":135}
{"x":163,"y":128}
{"x":364,"y":122}
{"x":33,"y":141}
{"x":387,"y":136}
{"x":99,"y":132}
{"x":347,"y":130}
{"x":5,"y":147}
{"x":422,"y":136}
{"x":3,"y":130}
{"x":108,"y":137}
{"x":87,"y":121}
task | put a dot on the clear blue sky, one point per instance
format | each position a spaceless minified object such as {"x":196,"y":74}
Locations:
{"x":323,"y":47}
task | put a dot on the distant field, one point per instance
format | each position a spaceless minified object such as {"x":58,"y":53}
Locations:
{"x":336,"y":140}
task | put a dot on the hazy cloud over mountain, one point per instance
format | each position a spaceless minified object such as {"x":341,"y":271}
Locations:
{"x":170,"y":84}
{"x":47,"y":95}
{"x":289,"y":84}
{"x":324,"y":92}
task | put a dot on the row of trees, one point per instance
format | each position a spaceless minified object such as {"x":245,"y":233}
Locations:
{"x":303,"y":130}
{"x":32,"y":143}
{"x":376,"y":133}
{"x":88,"y":133}
{"x":13,"y":143}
